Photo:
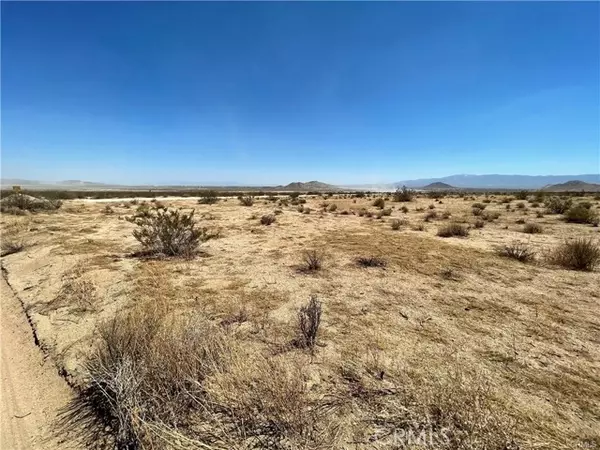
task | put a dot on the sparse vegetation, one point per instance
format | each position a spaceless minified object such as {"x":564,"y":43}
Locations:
{"x":577,"y":254}
{"x":247,"y":200}
{"x":312,"y":260}
{"x":267,"y":219}
{"x":209,"y":198}
{"x":164,"y":232}
{"x":532,"y":228}
{"x":403,"y":195}
{"x":371,"y":261}
{"x":379,"y":203}
{"x":558,"y":205}
{"x":519,"y":251}
{"x":19,"y":204}
{"x":453,"y":229}
{"x":581,"y":214}
{"x":309,"y":320}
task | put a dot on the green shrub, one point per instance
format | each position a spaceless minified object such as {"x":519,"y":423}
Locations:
{"x":581,"y":214}
{"x":168,"y":233}
{"x":558,"y":205}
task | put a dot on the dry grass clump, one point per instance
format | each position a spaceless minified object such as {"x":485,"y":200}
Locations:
{"x":309,"y":319}
{"x":532,"y":228}
{"x":267,"y":219}
{"x":519,"y":251}
{"x":312,"y":260}
{"x":430,"y":215}
{"x":581,"y":214}
{"x":578,"y":254}
{"x":164,"y":232}
{"x":379,"y":203}
{"x":332,"y":208}
{"x":247,"y":200}
{"x":478,"y":223}
{"x":453,"y":229}
{"x":371,"y":261}
{"x":397,"y":223}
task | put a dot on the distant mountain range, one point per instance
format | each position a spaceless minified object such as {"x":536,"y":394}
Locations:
{"x":450,"y":182}
{"x":573,"y":186}
{"x":500,"y":181}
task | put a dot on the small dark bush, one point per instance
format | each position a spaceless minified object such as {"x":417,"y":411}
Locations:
{"x":247,"y":200}
{"x":430,"y":215}
{"x":479,"y":223}
{"x":453,"y":229}
{"x":519,"y":251}
{"x":396,"y":224}
{"x":481,"y":206}
{"x":532,"y":228}
{"x":208,"y":198}
{"x":404,"y":209}
{"x":520,"y":205}
{"x":521,"y":195}
{"x":267,"y":219}
{"x":313,"y":260}
{"x":370,"y":261}
{"x":309,"y":319}
{"x":386,"y":212}
{"x":403,"y":195}
{"x":579,"y":254}
{"x":333,"y":207}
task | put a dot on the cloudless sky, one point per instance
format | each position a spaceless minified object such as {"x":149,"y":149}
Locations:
{"x":261,"y":93}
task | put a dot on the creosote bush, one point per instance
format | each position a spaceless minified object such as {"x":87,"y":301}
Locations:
{"x":19,"y":204}
{"x":403,"y":195}
{"x":453,"y":229}
{"x":208,"y":198}
{"x":578,"y":254}
{"x":164,"y":232}
{"x":558,"y":205}
{"x":519,"y":251}
{"x":396,"y":224}
{"x":580,"y":214}
{"x":247,"y":200}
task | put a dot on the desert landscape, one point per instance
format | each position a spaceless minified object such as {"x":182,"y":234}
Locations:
{"x":440,"y":319}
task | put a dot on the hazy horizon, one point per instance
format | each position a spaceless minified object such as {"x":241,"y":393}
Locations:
{"x":269,"y":93}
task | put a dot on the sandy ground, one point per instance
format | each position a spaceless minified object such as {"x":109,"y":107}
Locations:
{"x":533,"y":329}
{"x":32,"y":391}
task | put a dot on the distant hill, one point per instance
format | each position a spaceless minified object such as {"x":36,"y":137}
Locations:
{"x":500,"y":181}
{"x":573,"y":186}
{"x":437,"y":186}
{"x":18,"y":182}
{"x":308,"y":186}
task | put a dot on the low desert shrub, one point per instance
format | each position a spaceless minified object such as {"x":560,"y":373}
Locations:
{"x":396,"y":224}
{"x":312,"y":260}
{"x":379,"y":203}
{"x":404,"y":209}
{"x":480,"y":206}
{"x":403,"y":195}
{"x":168,"y":232}
{"x":453,"y":229}
{"x":580,"y":214}
{"x":478,"y":223}
{"x":490,"y":216}
{"x":208,"y":198}
{"x":521,"y":195}
{"x":519,"y":251}
{"x":371,"y":261}
{"x":19,"y":203}
{"x":532,"y":228}
{"x":267,"y":219}
{"x":446,"y":214}
{"x":333,"y":207}
{"x":558,"y":205}
{"x":430,"y":215}
{"x":108,"y":209}
{"x":520,"y":205}
{"x":386,"y":212}
{"x":247,"y":200}
{"x":309,"y":319}
{"x":578,"y":254}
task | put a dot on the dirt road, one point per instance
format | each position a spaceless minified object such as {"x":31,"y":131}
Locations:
{"x":32,"y":391}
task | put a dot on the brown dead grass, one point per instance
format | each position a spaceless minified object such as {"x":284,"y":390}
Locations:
{"x":447,"y":335}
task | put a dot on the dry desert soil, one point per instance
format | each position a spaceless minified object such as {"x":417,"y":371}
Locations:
{"x":446,"y":337}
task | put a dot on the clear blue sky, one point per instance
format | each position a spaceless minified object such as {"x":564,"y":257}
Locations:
{"x":276,"y":92}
